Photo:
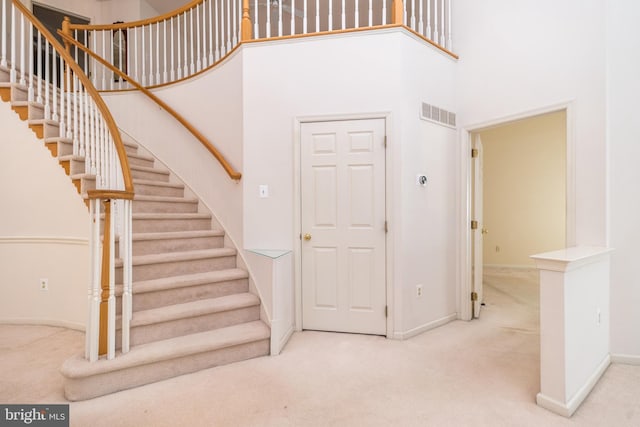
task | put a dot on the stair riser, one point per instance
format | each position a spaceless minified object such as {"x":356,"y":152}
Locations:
{"x":144,"y":206}
{"x":166,"y":225}
{"x":154,"y":190}
{"x":136,"y":161}
{"x":162,"y":298}
{"x":150,"y":175}
{"x":99,"y":385}
{"x":191,"y":325}
{"x":178,"y":268}
{"x":148,"y":247}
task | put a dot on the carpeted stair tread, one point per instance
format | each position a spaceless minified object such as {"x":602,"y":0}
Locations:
{"x":179,"y":256}
{"x":177,"y":235}
{"x":146,"y":198}
{"x":79,"y":367}
{"x":183,"y":216}
{"x":193,"y":309}
{"x":157,"y":183}
{"x":148,"y":169}
{"x":185,"y":281}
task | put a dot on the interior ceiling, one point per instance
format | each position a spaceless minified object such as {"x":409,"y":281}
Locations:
{"x":164,"y":6}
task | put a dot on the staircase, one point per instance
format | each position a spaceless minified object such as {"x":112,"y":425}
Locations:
{"x":192,"y":308}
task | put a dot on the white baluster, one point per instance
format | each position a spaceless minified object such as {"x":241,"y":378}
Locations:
{"x":103,"y":73}
{"x":317,"y":16}
{"x":30,"y":91}
{"x":218,"y":32}
{"x":235,"y":21}
{"x":330,"y":16}
{"x":404,"y":13}
{"x":228,"y":27}
{"x":256,"y":19}
{"x":304,"y":18}
{"x":202,"y":35}
{"x":292,"y":25}
{"x":67,"y":93}
{"x":371,"y":13}
{"x":39,"y":69}
{"x":111,"y":305}
{"x":55,"y":86}
{"x":344,"y":16}
{"x":12,"y":70}
{"x":136,"y":75}
{"x":442,"y":29}
{"x":126,"y":276}
{"x":3,"y":36}
{"x":23,"y":52}
{"x":212,"y":28}
{"x":449,"y":38}
{"x":279,"y":18}
{"x":435,"y":21}
{"x":144,"y":56}
{"x":47,"y":81}
{"x":165,"y":56}
{"x":413,"y":15}
{"x":93,"y":327}
{"x":128,"y":53}
{"x":420,"y":17}
{"x":356,"y":15}
{"x":157,"y":50}
{"x":268,"y":7}
{"x":428,"y":31}
{"x":173,"y":68}
{"x":384,"y":12}
{"x":185,"y":50}
{"x":193,"y":65}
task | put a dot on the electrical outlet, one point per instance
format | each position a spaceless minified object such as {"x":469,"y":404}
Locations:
{"x":418,"y":291}
{"x":44,"y":284}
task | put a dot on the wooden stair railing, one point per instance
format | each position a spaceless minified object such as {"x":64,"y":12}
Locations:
{"x":103,"y":151}
{"x":233,"y":173}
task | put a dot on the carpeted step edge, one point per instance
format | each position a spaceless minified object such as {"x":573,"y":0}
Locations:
{"x":78,"y":367}
{"x":186,"y":281}
{"x":178,"y":256}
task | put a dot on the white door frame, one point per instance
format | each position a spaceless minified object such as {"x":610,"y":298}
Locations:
{"x":297,"y":216}
{"x":464,"y":197}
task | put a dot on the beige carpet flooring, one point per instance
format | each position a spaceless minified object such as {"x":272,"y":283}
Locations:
{"x":480,"y":373}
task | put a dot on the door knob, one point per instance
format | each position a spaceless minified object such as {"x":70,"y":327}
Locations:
{"x":307,"y":236}
{"x":484,"y":231}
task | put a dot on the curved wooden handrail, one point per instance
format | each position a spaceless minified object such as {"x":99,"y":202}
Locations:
{"x":140,"y":23}
{"x":233,"y":174}
{"x":91,"y":90}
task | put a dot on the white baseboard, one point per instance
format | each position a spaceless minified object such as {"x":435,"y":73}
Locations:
{"x":45,"y":322}
{"x":625,"y":359}
{"x":567,"y":409}
{"x":278,"y":346}
{"x":423,"y":328}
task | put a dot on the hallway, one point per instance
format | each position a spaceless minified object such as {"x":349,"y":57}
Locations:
{"x":480,"y":373}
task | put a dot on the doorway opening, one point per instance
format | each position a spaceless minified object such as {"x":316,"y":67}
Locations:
{"x":518,"y":205}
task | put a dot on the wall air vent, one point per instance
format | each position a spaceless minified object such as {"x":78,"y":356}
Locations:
{"x":438,"y":115}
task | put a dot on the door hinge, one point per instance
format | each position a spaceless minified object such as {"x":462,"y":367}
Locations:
{"x":386,"y":227}
{"x":474,"y":153}
{"x":474,"y":225}
{"x":385,"y":141}
{"x":386,"y":311}
{"x":474,"y":296}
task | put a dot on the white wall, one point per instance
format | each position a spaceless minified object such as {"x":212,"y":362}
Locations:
{"x":521,"y":56}
{"x":43,"y":233}
{"x":524,"y":189}
{"x":623,"y":70}
{"x":212,"y":102}
{"x":343,"y":76}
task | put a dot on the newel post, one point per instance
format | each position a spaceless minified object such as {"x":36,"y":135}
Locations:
{"x":246,"y":22}
{"x":397,"y":12}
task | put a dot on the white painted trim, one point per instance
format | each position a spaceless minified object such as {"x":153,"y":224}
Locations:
{"x":511,"y":266}
{"x":464,"y":191}
{"x":625,"y":359}
{"x":297,"y":215}
{"x":426,"y":327}
{"x":571,"y":258}
{"x":567,"y":409}
{"x":43,"y":240}
{"x":276,"y":347}
{"x":45,"y":322}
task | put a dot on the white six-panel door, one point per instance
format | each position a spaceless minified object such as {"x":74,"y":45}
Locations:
{"x":343,"y":226}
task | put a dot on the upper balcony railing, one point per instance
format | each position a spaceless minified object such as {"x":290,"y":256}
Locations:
{"x":196,"y":36}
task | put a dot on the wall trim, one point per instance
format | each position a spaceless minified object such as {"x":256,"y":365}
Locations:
{"x":43,"y":240}
{"x":424,"y":328}
{"x":44,"y":322}
{"x":567,"y":409}
{"x":625,"y":359}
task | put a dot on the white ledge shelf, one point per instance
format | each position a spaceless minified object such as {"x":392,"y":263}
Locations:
{"x":570,"y":258}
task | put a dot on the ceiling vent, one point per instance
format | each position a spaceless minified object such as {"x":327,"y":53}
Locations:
{"x":438,"y":115}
